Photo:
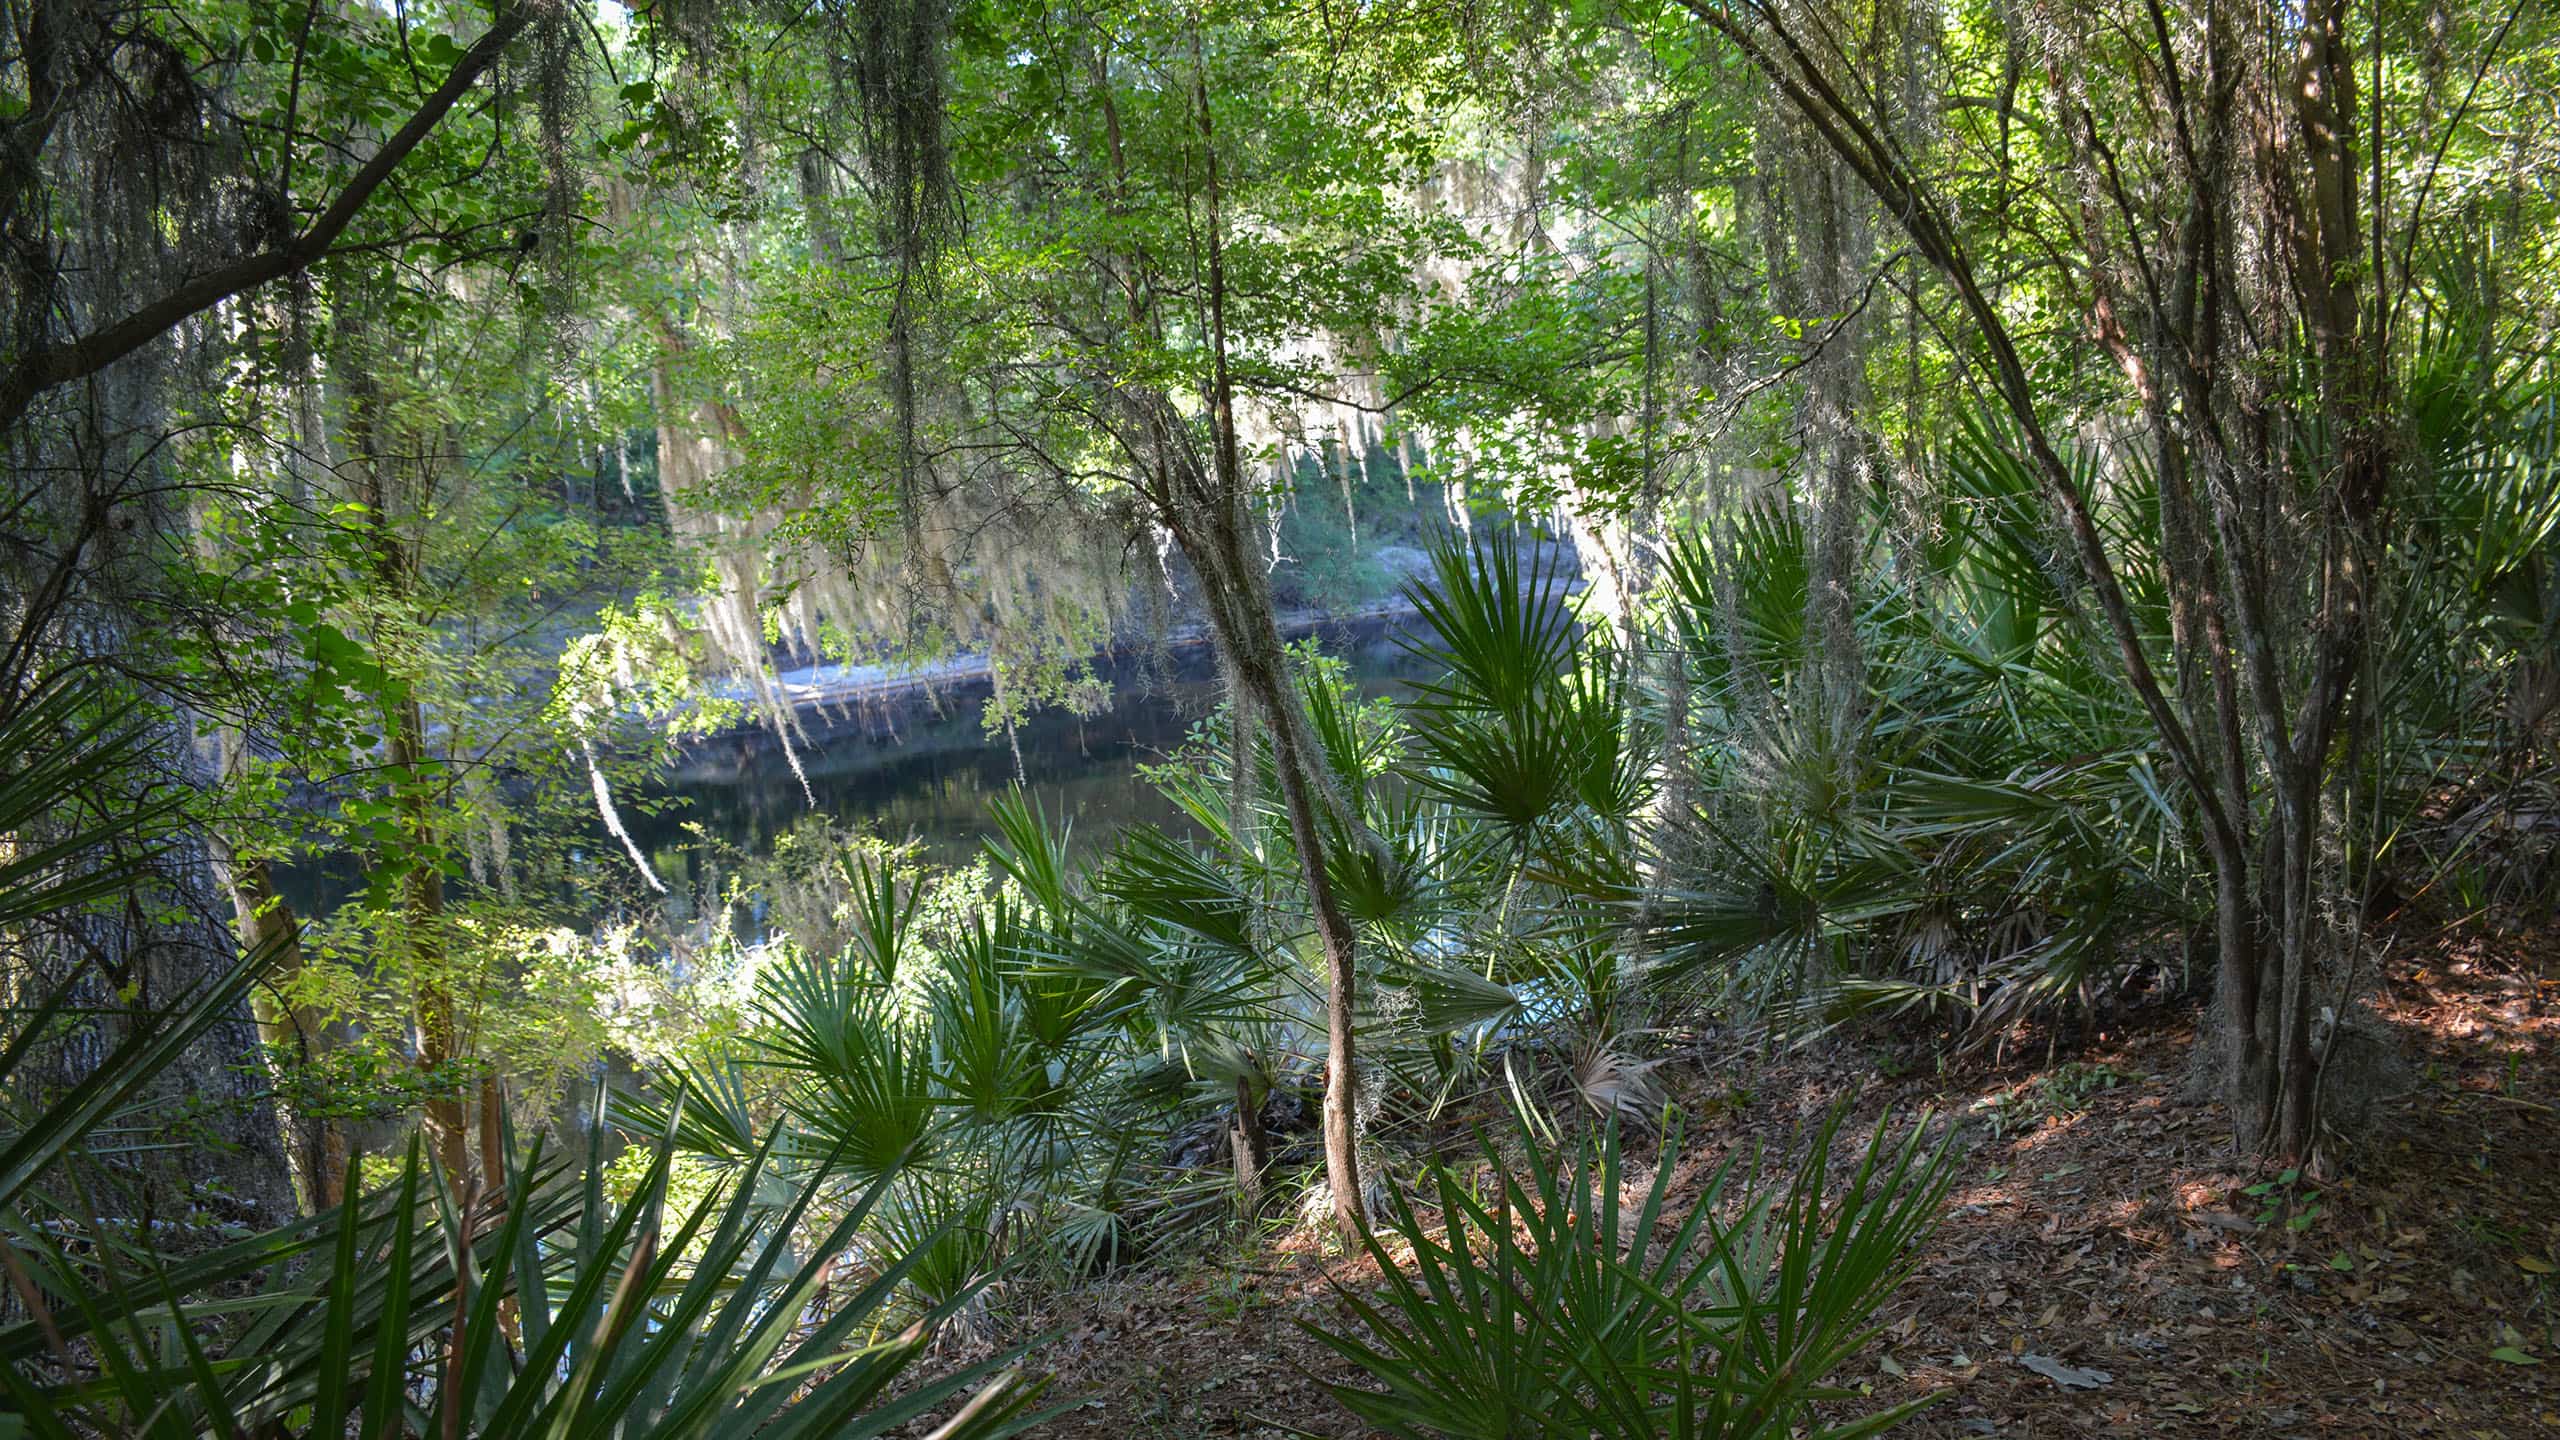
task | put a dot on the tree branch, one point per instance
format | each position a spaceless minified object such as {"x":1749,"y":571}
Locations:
{"x":80,"y":358}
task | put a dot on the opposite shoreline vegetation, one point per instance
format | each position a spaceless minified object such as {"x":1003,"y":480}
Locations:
{"x":837,"y":688}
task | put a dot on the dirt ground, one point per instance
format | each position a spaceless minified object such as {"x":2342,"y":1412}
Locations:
{"x":2099,"y":1226}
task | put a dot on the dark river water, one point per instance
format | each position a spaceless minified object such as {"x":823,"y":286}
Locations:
{"x":925,"y":770}
{"x":912,"y":768}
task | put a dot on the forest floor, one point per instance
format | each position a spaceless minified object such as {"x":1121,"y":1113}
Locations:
{"x":2098,"y":1220}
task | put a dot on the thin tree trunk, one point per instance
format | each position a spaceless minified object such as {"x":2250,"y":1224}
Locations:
{"x":1252,"y":1149}
{"x":1342,"y":982}
{"x":422,"y":927}
{"x":315,"y":1146}
{"x":1253,"y":638}
{"x":421,"y":920}
{"x":2238,"y":978}
{"x":1248,"y":633}
{"x":1248,"y":636}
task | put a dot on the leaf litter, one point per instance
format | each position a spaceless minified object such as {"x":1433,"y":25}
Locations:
{"x":2137,"y":1278}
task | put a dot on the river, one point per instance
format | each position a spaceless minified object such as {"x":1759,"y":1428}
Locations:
{"x":915,"y":767}
{"x":923,"y":769}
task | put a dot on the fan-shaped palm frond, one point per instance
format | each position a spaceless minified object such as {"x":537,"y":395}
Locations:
{"x":1556,"y":1308}
{"x":993,"y":1069}
{"x":1161,"y":879}
{"x":1518,"y":729}
{"x":1026,"y":850}
{"x":570,"y":1320}
{"x":708,"y":1109}
{"x":949,"y":1235}
{"x":863,"y":1074}
{"x":1442,"y":999}
{"x":1739,"y":596}
{"x":1359,"y":740}
{"x":1503,"y":634}
{"x":882,"y":918}
{"x":1395,"y":886}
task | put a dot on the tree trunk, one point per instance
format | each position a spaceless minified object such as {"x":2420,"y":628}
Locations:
{"x":1341,"y":1078}
{"x":1205,"y":516}
{"x":421,"y":938}
{"x":2238,"y":983}
{"x":315,"y":1146}
{"x":1249,"y":631}
{"x":1252,"y":1149}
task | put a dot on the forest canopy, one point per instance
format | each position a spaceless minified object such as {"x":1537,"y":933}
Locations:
{"x":1461,"y":581}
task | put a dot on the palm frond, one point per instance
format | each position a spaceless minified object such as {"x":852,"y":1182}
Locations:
{"x":1553,"y":1307}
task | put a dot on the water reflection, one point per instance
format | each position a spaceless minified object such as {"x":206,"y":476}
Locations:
{"x":915,"y":770}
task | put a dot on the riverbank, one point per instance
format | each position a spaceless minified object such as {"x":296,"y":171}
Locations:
{"x":838,"y":686}
{"x":912,"y":765}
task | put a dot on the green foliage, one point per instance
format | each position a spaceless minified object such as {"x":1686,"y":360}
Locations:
{"x":1530,"y":722}
{"x":1552,"y":1306}
{"x":892,"y":345}
{"x":2287,"y":1199}
{"x":869,"y":1075}
{"x":1006,"y":1053}
{"x":1917,"y":847}
{"x":412,"y":1310}
{"x":570,"y":1317}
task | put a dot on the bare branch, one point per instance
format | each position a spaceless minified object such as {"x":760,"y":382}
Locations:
{"x":79,"y":358}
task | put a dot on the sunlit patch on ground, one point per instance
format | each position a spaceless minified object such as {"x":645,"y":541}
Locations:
{"x":2107,"y":1230}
